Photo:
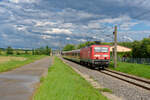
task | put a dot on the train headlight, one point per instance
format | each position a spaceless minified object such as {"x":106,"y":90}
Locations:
{"x":97,"y":55}
{"x":105,"y":55}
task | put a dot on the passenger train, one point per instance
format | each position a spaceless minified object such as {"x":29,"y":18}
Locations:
{"x":94,"y":56}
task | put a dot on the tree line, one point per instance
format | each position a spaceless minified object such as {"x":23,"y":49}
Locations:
{"x":140,"y":49}
{"x":39,"y":51}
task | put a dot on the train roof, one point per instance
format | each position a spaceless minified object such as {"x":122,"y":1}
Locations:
{"x":100,"y":45}
{"x":78,"y":50}
{"x":96,"y":45}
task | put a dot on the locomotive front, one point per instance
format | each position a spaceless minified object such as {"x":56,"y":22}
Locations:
{"x":100,"y":55}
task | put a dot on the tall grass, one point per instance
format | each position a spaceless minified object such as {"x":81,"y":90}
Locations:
{"x":14,"y":63}
{"x":140,"y":70}
{"x":62,"y":83}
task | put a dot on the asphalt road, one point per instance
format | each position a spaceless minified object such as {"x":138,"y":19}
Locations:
{"x":20,"y":83}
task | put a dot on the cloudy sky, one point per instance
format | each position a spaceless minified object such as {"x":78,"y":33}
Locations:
{"x":36,"y":23}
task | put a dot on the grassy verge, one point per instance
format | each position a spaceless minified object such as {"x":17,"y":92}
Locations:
{"x":105,"y":90}
{"x":14,"y":63}
{"x":62,"y":83}
{"x":140,"y":70}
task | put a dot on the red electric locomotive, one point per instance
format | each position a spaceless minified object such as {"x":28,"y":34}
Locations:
{"x":92,"y":56}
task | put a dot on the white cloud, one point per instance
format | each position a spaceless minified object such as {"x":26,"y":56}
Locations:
{"x":22,"y":1}
{"x":67,"y":25}
{"x":46,"y":37}
{"x":127,"y":25}
{"x":58,"y":31}
{"x":82,"y":14}
{"x":26,"y":21}
{"x":21,"y":28}
{"x":94,"y":37}
{"x":2,"y":10}
{"x":68,"y":38}
{"x":45,"y":19}
{"x":117,"y":20}
{"x":94,"y":25}
{"x":124,"y":22}
{"x":4,"y":35}
{"x":15,"y":1}
{"x":82,"y":40}
{"x":40,"y":23}
{"x":138,"y":3}
{"x":128,"y":38}
{"x":77,"y":14}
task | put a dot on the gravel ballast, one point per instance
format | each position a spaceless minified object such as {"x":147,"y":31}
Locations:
{"x":119,"y":88}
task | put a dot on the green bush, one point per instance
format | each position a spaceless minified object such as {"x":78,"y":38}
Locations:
{"x":9,"y":50}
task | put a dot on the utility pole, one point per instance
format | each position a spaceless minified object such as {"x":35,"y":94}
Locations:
{"x":115,"y":47}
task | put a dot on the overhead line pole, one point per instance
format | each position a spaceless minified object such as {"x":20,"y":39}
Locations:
{"x":115,"y":47}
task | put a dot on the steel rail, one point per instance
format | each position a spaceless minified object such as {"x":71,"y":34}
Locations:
{"x":134,"y":83}
{"x":129,"y":76}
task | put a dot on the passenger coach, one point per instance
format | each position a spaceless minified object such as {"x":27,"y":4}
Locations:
{"x":94,"y":56}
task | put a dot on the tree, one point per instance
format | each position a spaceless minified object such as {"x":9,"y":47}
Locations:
{"x":47,"y":50}
{"x":148,"y":49}
{"x":17,"y":52}
{"x":0,"y":51}
{"x":141,"y":49}
{"x":81,"y":46}
{"x":69,"y":47}
{"x":41,"y":51}
{"x":145,"y":47}
{"x":26,"y":52}
{"x":126,"y":44}
{"x":88,"y":43}
{"x":136,"y":49}
{"x":33,"y":53}
{"x":9,"y":50}
{"x":36,"y":52}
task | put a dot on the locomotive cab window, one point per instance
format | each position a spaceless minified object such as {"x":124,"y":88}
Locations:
{"x":101,"y":49}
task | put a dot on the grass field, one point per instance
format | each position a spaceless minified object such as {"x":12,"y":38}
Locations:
{"x":140,"y":70}
{"x":11,"y":62}
{"x":15,"y":52}
{"x":4,"y":59}
{"x":62,"y":83}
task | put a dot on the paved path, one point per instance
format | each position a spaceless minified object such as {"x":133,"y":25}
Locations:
{"x":19,"y":84}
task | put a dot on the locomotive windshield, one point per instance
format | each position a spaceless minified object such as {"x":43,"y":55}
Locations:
{"x":101,"y":49}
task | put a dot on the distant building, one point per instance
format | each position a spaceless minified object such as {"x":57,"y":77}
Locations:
{"x":121,"y":49}
{"x":56,"y":52}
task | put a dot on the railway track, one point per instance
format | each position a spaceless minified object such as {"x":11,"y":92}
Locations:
{"x":122,"y":88}
{"x":139,"y":82}
{"x":143,"y":83}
